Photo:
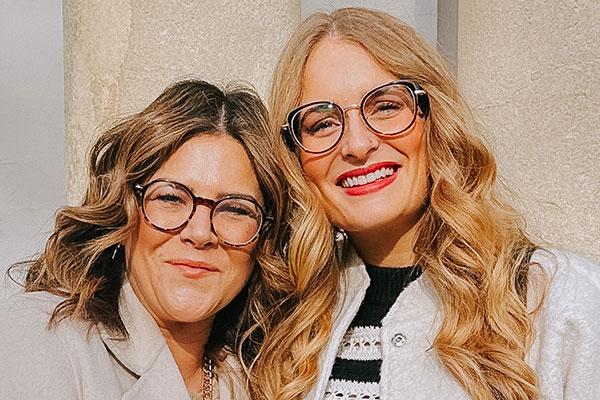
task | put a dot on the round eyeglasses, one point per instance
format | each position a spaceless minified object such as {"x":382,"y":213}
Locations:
{"x":168,"y":206}
{"x":388,"y":110}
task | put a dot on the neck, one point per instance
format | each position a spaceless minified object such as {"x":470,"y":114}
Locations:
{"x":387,"y":247}
{"x":186,"y":342}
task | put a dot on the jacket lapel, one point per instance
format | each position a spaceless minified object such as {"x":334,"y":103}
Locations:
{"x":145,"y":353}
{"x":161,"y":381}
{"x":353,"y":284}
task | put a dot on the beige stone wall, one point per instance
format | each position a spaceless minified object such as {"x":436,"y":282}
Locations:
{"x":119,"y":55}
{"x":531,"y":69}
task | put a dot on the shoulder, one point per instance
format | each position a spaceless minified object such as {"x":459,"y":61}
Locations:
{"x":28,"y":311}
{"x":573,"y":281}
{"x":34,"y":356}
{"x":566,"y":352}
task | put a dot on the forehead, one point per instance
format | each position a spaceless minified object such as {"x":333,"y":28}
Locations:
{"x":212,"y":165}
{"x":341,"y":71}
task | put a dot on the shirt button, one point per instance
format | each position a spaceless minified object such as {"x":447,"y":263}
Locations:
{"x":398,"y":340}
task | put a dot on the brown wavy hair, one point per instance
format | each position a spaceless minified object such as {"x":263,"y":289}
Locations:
{"x":470,"y":243}
{"x":83,"y":261}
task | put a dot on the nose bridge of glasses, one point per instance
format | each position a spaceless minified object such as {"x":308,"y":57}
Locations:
{"x":345,"y":110}
{"x":350,"y":107}
{"x":203,"y":201}
{"x":357,"y":107}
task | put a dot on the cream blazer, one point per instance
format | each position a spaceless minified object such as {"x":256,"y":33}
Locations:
{"x":72,"y":361}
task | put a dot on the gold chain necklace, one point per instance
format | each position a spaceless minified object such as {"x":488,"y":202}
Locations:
{"x":207,"y":378}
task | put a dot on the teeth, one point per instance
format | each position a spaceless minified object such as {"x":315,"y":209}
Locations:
{"x":364,"y":179}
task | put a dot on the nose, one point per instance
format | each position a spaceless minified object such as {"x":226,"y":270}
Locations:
{"x":198,"y":231}
{"x":357,"y":142}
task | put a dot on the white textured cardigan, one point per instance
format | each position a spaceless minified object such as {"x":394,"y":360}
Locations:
{"x":72,"y":361}
{"x":565,"y":354}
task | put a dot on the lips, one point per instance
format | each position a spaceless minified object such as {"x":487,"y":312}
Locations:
{"x":193,"y":269}
{"x":369,"y":179}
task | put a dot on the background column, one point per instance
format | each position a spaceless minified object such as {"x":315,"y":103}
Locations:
{"x":120,"y":55}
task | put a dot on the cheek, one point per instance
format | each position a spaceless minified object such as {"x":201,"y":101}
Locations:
{"x":416,"y":150}
{"x":414,"y":147}
{"x":411,"y":143}
{"x":316,"y":167}
{"x":243,"y":263}
{"x":142,"y":244}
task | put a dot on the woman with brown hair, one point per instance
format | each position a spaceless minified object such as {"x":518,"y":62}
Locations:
{"x":140,"y":290}
{"x":410,"y":277}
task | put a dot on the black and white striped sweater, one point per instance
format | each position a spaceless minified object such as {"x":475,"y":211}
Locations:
{"x":356,"y":372}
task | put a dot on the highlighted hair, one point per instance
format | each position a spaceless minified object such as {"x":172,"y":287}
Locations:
{"x":83,"y":260}
{"x":470,"y":243}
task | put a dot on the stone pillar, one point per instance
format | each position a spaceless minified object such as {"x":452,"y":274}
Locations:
{"x":119,"y":55}
{"x":531,"y":70}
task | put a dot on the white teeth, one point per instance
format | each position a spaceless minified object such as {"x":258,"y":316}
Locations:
{"x":364,"y":179}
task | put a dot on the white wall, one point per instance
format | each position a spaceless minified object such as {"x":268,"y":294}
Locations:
{"x":32,"y":173}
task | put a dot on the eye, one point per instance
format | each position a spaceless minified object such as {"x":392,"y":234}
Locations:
{"x":319,"y":120}
{"x":385,"y":107}
{"x":325,"y":126}
{"x":388,"y":106}
{"x":238,"y":208}
{"x":166,"y":195}
{"x":235,"y":210}
{"x":170,"y":198}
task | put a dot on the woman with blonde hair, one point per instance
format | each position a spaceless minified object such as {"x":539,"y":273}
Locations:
{"x":410,"y":277}
{"x":141,"y":290}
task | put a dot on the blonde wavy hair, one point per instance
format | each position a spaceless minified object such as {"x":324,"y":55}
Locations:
{"x":83,"y":260}
{"x":470,"y":243}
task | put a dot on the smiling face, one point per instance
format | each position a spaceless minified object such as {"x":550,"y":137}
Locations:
{"x":189,"y":275}
{"x":373,"y":187}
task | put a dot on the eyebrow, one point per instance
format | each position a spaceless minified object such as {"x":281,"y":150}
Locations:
{"x":237,"y":194}
{"x":219,"y":196}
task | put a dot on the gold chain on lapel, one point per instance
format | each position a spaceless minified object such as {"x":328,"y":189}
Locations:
{"x":207,"y":379}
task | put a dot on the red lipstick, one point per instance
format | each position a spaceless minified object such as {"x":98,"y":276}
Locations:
{"x":356,"y":182}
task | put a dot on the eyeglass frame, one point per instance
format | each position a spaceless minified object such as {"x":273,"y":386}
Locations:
{"x":421,"y":102}
{"x":140,"y":190}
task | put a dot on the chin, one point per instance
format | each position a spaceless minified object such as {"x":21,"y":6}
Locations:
{"x":187,"y":316}
{"x":377,"y":223}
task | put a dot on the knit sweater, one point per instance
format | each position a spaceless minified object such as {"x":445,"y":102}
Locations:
{"x":356,"y":372}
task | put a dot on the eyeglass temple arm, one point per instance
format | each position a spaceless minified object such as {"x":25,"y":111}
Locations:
{"x":287,"y":137}
{"x":422,"y":102}
{"x":138,"y":189}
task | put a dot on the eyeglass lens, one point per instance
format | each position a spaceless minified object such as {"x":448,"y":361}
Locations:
{"x":168,"y":206}
{"x":388,"y":110}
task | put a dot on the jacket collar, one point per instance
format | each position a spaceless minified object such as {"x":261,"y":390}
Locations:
{"x":354,"y":281}
{"x":144,"y":353}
